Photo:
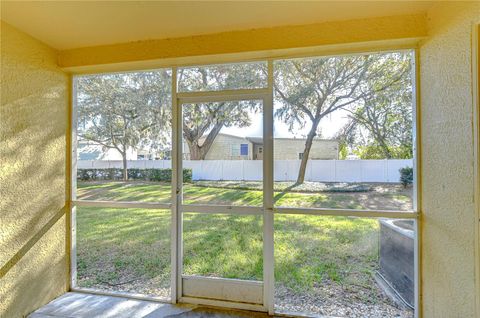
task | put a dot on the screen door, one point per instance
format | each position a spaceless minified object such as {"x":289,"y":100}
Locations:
{"x":221,"y":213}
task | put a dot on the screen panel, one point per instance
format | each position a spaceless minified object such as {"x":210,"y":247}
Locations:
{"x":344,"y":266}
{"x":223,"y":77}
{"x":344,"y":132}
{"x":222,"y":144}
{"x":124,"y":250}
{"x":124,"y":136}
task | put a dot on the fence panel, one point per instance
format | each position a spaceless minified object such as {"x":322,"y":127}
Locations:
{"x":284,"y":170}
{"x":373,"y":170}
{"x":232,"y":169}
{"x":322,"y":170}
{"x":253,"y":170}
{"x":393,"y":167}
{"x":348,"y":171}
{"x":85,"y":164}
{"x":280,"y":170}
{"x":196,"y":166}
{"x":137,"y":164}
{"x":211,"y":169}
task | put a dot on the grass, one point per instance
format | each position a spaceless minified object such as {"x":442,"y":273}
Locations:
{"x":129,"y":249}
{"x":380,"y":197}
{"x":117,"y":246}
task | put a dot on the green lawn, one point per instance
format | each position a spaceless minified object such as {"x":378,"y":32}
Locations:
{"x":129,"y":249}
{"x":129,"y":245}
{"x":380,"y":197}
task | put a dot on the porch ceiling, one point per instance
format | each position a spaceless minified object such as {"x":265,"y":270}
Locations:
{"x":74,"y":24}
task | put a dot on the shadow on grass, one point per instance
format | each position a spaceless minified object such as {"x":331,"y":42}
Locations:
{"x":281,"y":194}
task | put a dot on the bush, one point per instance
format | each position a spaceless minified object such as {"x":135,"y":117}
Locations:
{"x":159,"y":175}
{"x":406,"y":176}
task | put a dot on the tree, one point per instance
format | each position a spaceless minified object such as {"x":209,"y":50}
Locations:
{"x":310,"y":89}
{"x":384,"y":121}
{"x":202,"y":122}
{"x":124,"y":111}
{"x":346,"y":137}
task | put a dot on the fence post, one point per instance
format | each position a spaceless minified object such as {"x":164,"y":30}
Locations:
{"x":243,"y":170}
{"x":335,"y":170}
{"x":385,"y":171}
{"x":223,"y":169}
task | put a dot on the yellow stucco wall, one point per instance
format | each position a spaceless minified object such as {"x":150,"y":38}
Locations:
{"x":33,"y":126}
{"x":448,"y":262}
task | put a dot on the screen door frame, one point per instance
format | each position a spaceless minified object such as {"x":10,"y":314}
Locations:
{"x":242,"y":294}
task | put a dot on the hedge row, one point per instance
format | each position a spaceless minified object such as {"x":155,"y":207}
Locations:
{"x":133,"y":174}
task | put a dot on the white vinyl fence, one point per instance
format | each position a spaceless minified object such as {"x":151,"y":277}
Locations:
{"x":285,"y":170}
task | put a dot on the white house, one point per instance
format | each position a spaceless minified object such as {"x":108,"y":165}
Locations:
{"x":90,"y":150}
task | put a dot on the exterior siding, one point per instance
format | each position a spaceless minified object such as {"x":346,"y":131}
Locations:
{"x":289,"y":149}
{"x":221,"y":148}
{"x":284,"y":149}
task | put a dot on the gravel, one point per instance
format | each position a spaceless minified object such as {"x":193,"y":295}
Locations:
{"x":327,"y":299}
{"x":145,"y":287}
{"x":333,"y":301}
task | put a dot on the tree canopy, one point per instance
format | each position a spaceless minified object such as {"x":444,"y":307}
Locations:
{"x":203,"y":122}
{"x":122,"y":111}
{"x":307,"y":90}
{"x":383,"y":121}
{"x":133,"y":110}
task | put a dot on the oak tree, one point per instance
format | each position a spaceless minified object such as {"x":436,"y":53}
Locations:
{"x":125,"y":111}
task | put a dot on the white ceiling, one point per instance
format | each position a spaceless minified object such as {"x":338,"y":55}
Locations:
{"x":73,"y":24}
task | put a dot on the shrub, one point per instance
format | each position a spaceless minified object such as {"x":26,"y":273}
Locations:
{"x":187,"y":175}
{"x":159,"y":175}
{"x":406,"y":176}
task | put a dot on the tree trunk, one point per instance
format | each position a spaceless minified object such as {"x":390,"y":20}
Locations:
{"x":200,"y":152}
{"x":383,"y":144}
{"x":386,"y":151}
{"x":306,"y":152}
{"x":125,"y":170}
{"x":196,"y":152}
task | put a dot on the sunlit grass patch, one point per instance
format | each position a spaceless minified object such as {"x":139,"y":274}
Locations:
{"x":230,"y":195}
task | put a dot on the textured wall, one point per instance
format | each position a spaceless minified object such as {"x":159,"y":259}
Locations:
{"x":447,"y":160}
{"x":221,"y":149}
{"x":288,"y":149}
{"x":33,"y":114}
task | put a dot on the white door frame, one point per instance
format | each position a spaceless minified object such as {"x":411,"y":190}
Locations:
{"x":256,"y":295}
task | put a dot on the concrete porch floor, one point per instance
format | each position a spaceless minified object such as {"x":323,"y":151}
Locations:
{"x":80,"y":305}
